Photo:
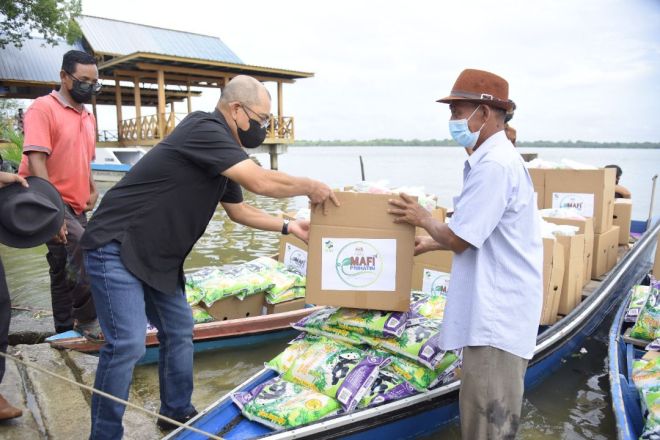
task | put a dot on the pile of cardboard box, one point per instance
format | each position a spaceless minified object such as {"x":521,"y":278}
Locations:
{"x":591,"y":193}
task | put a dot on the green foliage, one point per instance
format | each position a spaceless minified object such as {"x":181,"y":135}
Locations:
{"x":50,"y":19}
{"x":14,"y":151}
{"x":8,"y":109}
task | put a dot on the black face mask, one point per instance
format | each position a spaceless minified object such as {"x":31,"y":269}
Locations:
{"x":81,"y":92}
{"x":253,"y":136}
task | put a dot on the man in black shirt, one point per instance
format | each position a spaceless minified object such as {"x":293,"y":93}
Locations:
{"x":137,"y":241}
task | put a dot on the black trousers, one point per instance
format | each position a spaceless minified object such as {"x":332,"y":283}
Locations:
{"x":69,"y":287}
{"x":5,"y":315}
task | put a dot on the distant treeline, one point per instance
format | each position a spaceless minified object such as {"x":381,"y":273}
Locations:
{"x":450,"y":142}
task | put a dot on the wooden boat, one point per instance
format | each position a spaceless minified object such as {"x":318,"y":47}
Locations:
{"x":211,"y":335}
{"x":622,"y":351}
{"x":425,"y":413}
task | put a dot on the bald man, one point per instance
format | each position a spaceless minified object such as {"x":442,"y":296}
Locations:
{"x":137,"y":241}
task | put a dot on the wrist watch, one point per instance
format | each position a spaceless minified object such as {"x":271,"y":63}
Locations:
{"x":285,"y":227}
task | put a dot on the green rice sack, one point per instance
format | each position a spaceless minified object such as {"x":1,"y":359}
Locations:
{"x":337,"y":370}
{"x":646,"y":373}
{"x":430,"y":306}
{"x":647,"y":326}
{"x":370,"y":322}
{"x":283,"y":361}
{"x":279,"y":404}
{"x":200,"y":315}
{"x":287,"y":295}
{"x":193,"y":294}
{"x":386,"y":388}
{"x":419,"y":376}
{"x":639,"y":295}
{"x":316,"y":324}
{"x":420,"y":343}
{"x":651,"y":403}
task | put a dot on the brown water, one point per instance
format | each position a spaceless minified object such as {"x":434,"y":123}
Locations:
{"x":573,"y":403}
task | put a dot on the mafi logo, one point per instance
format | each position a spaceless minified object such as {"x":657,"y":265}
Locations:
{"x":359,"y":264}
{"x":298,"y":261}
{"x":571,"y":202}
{"x":328,"y":246}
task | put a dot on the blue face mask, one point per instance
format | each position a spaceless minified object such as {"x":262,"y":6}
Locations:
{"x":460,"y":131}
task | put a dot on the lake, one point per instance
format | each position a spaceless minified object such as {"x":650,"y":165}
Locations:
{"x":572,"y":404}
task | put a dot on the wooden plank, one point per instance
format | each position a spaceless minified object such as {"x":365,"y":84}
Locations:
{"x":138,"y":106}
{"x":118,"y":106}
{"x":161,"y":104}
{"x":634,"y":341}
{"x":203,"y":72}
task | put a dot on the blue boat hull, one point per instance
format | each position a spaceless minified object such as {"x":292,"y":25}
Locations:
{"x":425,"y":413}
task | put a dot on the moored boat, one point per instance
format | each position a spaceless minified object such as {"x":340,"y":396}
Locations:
{"x":210,"y":335}
{"x":424,"y":413}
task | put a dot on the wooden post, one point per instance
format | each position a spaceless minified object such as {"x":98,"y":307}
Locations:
{"x":118,"y":105}
{"x":273,"y":156}
{"x":96,"y":119}
{"x":138,"y":108}
{"x":280,"y":111}
{"x":189,"y":98}
{"x":161,"y":104}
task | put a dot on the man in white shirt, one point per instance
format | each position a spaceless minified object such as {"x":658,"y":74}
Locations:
{"x":495,"y":295}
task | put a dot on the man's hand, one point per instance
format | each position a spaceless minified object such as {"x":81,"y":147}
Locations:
{"x":91,"y":203}
{"x":300,"y":228}
{"x":9,"y":178}
{"x":319,"y":195}
{"x":61,"y":236}
{"x":425,"y":243}
{"x":407,"y":210}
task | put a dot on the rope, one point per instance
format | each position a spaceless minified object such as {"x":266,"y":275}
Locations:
{"x":110,"y":396}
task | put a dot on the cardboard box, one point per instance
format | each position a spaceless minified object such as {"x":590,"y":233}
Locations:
{"x":438,"y":214}
{"x":553,"y":277}
{"x":293,"y":253}
{"x":606,"y":246}
{"x":234,"y":308}
{"x":613,"y":249}
{"x":287,"y":306}
{"x":358,"y":257}
{"x":591,"y":192}
{"x":586,"y":228}
{"x":622,"y":218}
{"x":571,"y":289}
{"x":538,"y":180}
{"x":431,"y":271}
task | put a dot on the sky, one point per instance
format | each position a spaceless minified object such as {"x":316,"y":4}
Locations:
{"x":577,"y":70}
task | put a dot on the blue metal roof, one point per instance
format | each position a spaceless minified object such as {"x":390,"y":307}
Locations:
{"x":35,"y":61}
{"x":122,"y":38}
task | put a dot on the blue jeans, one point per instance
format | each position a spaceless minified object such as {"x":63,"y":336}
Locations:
{"x":123,"y":305}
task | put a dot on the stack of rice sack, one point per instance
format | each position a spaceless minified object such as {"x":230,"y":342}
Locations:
{"x":644,"y":310}
{"x":263,"y":274}
{"x":348,"y":359}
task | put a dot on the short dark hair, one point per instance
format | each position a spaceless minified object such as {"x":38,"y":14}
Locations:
{"x":619,"y":171}
{"x":73,"y":57}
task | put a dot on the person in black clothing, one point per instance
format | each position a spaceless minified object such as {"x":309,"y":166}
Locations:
{"x":137,"y":240}
{"x":31,"y":212}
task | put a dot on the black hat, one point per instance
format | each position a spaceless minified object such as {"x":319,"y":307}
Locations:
{"x":30,"y":216}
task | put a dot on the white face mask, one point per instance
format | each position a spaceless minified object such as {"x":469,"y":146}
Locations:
{"x":460,"y":131}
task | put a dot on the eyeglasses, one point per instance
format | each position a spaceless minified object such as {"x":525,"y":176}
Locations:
{"x":95,"y":87}
{"x":264,"y":121}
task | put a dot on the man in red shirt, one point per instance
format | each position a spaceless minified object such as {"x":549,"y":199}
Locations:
{"x":59,"y":146}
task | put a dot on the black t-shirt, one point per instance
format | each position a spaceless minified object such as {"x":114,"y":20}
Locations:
{"x":163,"y":205}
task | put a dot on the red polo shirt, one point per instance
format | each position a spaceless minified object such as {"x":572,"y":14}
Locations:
{"x":67,"y":136}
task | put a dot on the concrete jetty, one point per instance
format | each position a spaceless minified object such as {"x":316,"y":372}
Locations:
{"x":54,"y":409}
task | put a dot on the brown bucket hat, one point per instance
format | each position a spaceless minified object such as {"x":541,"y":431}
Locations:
{"x":481,"y":87}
